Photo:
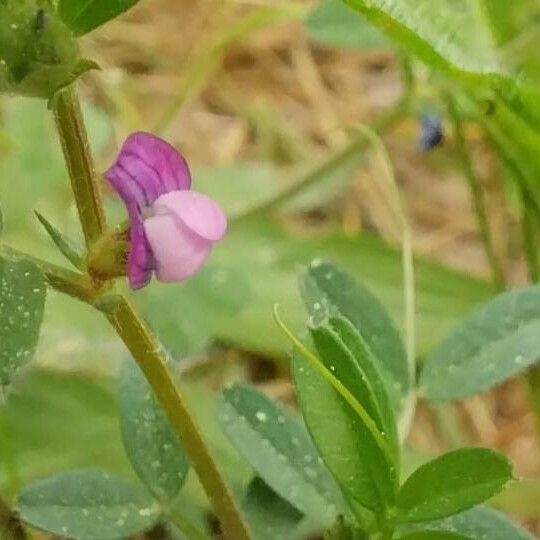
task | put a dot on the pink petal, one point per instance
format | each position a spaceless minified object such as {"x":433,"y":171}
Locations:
{"x":146,"y":168}
{"x":196,"y":211}
{"x":178,"y":252}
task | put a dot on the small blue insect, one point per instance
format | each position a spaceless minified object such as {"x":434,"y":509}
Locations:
{"x":431,"y":134}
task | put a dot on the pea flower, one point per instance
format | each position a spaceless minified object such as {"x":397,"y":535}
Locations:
{"x":172,"y":229}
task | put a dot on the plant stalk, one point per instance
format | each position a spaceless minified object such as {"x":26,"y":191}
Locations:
{"x":60,"y":279}
{"x":529,"y":228}
{"x":130,"y":327}
{"x":477,"y":196}
{"x":529,"y":225}
{"x":147,"y":352}
{"x":80,"y":165}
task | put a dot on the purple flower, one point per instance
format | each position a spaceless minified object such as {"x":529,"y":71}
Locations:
{"x":172,"y":228}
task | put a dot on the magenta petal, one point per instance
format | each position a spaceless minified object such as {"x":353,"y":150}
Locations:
{"x":146,"y":168}
{"x":178,"y":252}
{"x":197,"y":212}
{"x":141,"y":259}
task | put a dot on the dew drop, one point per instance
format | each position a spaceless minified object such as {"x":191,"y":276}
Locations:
{"x":260,"y":416}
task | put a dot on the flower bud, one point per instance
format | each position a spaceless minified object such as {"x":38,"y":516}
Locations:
{"x":38,"y":53}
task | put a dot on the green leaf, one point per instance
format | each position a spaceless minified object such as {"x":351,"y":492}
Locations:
{"x":44,"y":434}
{"x":87,"y":505}
{"x":452,"y":483}
{"x":67,"y":247}
{"x":346,"y":444}
{"x":270,"y":517}
{"x":448,"y":34}
{"x":325,"y":288}
{"x":280,"y":451}
{"x":151,"y":445}
{"x":431,"y":534}
{"x":83,"y":16}
{"x":480,"y":523}
{"x":22,"y":300}
{"x":44,"y":411}
{"x":333,"y":23}
{"x":346,"y":354}
{"x":497,"y":341}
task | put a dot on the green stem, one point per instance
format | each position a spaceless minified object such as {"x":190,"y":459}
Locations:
{"x":477,"y":196}
{"x":130,"y":327}
{"x":80,"y":165}
{"x":356,"y":146}
{"x":65,"y":281}
{"x":529,"y":226}
{"x":147,"y":352}
{"x":393,"y":198}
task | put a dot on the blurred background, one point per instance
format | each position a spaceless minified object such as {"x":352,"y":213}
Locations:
{"x":264,"y":99}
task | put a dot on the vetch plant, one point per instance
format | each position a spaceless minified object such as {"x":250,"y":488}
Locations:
{"x":339,"y":465}
{"x":176,"y":218}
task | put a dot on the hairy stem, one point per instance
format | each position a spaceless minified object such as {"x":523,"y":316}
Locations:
{"x":147,"y":352}
{"x":130,"y":327}
{"x":477,"y":196}
{"x":60,"y":279}
{"x":80,"y":165}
